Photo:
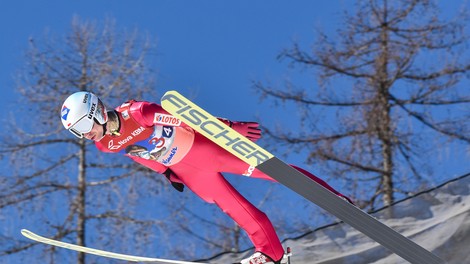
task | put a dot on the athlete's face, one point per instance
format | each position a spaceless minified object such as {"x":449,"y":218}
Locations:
{"x":96,"y":133}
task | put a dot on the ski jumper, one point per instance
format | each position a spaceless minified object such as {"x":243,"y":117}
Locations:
{"x":152,"y":137}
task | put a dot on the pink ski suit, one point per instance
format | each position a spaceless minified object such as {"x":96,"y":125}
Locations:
{"x":159,"y":141}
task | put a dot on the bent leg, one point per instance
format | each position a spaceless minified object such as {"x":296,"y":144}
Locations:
{"x":215,"y":188}
{"x":322,"y":183}
{"x":258,"y":174}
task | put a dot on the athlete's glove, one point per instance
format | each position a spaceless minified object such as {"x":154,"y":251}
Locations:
{"x":248,"y":129}
{"x":171,"y":176}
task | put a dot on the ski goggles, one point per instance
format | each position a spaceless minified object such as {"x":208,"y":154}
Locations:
{"x":82,"y":126}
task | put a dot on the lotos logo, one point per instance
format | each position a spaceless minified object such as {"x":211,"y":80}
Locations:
{"x":163,"y":119}
{"x":65,"y":112}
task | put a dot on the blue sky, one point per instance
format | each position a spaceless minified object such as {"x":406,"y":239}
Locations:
{"x":208,"y":49}
{"x":211,"y":48}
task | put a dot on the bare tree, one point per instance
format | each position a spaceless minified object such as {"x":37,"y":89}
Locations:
{"x":55,"y":181}
{"x":62,"y":187}
{"x":390,"y":87}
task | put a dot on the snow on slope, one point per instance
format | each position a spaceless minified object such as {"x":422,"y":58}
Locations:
{"x":438,"y":220}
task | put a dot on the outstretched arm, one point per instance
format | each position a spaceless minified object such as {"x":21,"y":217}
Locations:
{"x":248,"y":129}
{"x":151,"y":114}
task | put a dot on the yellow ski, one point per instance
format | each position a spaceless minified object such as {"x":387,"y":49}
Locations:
{"x":251,"y":153}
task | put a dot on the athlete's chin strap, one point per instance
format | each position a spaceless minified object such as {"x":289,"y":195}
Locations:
{"x":104,"y":128}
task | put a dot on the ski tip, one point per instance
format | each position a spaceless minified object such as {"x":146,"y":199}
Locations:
{"x":28,"y":234}
{"x":170,"y":93}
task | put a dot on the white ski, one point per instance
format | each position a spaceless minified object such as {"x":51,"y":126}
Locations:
{"x":254,"y":155}
{"x":98,"y":252}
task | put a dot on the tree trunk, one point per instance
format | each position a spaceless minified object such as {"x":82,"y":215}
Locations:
{"x":81,"y":207}
{"x":384,"y":121}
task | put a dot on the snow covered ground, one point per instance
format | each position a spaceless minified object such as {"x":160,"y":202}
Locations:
{"x":438,"y":220}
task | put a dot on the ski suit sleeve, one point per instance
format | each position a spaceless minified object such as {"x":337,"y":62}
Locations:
{"x":249,"y":130}
{"x":151,"y":114}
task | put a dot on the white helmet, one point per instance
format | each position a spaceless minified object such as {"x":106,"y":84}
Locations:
{"x":79,"y":112}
